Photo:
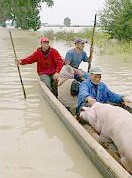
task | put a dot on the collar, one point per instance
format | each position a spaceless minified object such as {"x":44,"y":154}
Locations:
{"x":45,"y":52}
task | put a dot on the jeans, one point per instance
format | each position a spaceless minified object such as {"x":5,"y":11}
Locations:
{"x":50,"y":83}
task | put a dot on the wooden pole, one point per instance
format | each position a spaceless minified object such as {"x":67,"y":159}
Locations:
{"x":92,"y":42}
{"x":24,"y":93}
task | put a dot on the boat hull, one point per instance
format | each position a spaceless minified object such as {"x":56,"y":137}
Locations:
{"x":107,"y":165}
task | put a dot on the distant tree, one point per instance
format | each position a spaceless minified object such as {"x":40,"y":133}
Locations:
{"x":67,"y":22}
{"x":116,"y":18}
{"x":25,"y":13}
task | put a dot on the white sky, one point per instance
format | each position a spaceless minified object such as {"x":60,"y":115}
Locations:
{"x":81,"y":12}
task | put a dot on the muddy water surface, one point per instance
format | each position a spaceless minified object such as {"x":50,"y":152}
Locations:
{"x":33,"y":141}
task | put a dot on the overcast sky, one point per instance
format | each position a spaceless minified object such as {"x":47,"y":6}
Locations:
{"x":81,"y":12}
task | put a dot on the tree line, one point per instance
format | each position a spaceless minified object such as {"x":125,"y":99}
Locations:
{"x":115,"y":18}
{"x":22,"y":13}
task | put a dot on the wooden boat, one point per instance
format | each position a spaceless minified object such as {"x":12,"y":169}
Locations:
{"x":106,"y":163}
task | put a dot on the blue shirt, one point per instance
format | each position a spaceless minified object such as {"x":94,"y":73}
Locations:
{"x":99,"y":92}
{"x":76,"y":58}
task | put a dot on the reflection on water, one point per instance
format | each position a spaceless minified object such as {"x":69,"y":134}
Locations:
{"x":34,"y":143}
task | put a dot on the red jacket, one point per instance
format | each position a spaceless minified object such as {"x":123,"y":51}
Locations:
{"x":46,"y":64}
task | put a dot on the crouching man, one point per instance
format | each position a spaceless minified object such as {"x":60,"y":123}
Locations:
{"x":92,"y":90}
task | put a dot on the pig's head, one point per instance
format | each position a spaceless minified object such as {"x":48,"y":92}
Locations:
{"x":88,"y":114}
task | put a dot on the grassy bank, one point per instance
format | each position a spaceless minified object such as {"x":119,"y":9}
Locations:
{"x":102,"y":40}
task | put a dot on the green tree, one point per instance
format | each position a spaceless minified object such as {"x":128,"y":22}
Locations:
{"x":4,"y":12}
{"x":67,"y":22}
{"x":116,"y":18}
{"x":25,"y":13}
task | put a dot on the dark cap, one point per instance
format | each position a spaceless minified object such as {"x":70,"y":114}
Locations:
{"x":80,"y":40}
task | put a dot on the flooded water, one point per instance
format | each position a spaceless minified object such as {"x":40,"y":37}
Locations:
{"x":34,"y":143}
{"x":68,"y":29}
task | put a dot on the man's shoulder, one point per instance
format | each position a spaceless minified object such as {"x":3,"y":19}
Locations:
{"x":102,"y":84}
{"x":84,"y":53}
{"x":53,"y":50}
{"x":38,"y":50}
{"x":71,"y":51}
{"x":86,"y":82}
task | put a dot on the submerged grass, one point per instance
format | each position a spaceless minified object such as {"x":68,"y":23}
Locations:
{"x":102,"y":40}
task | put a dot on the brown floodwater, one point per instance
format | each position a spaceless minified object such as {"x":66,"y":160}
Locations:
{"x":34,"y":143}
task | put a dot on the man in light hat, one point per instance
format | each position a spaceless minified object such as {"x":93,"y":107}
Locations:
{"x":92,"y":90}
{"x":49,"y":64}
{"x":75,"y":56}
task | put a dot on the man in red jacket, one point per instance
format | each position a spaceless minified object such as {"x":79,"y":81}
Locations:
{"x":49,"y":64}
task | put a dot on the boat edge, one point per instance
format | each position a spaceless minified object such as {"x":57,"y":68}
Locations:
{"x":107,"y":165}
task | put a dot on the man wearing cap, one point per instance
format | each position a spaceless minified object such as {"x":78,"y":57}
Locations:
{"x":92,"y":90}
{"x":75,"y":56}
{"x":49,"y":64}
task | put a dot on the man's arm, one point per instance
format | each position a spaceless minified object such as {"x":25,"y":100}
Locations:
{"x":85,"y":97}
{"x":68,"y":58}
{"x":114,"y":97}
{"x":86,"y":58}
{"x":58,"y":60}
{"x":59,"y":64}
{"x":28,"y":60}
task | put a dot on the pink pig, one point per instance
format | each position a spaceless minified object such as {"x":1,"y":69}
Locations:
{"x":113,"y":123}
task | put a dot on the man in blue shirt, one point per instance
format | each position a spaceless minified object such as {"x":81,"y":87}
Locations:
{"x":92,"y":90}
{"x":75,"y":56}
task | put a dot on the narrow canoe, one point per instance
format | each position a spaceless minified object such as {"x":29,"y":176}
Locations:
{"x":107,"y":165}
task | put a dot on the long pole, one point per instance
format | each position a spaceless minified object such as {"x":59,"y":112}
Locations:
{"x":92,"y":42}
{"x":24,"y":93}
